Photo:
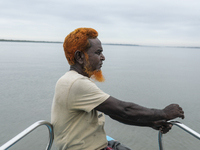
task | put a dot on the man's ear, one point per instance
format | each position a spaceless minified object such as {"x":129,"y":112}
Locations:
{"x":79,"y":57}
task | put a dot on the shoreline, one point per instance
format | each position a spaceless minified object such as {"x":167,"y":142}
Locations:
{"x":30,"y":41}
{"x":114,"y":44}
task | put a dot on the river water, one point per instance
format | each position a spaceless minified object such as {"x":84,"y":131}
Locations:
{"x":150,"y":76}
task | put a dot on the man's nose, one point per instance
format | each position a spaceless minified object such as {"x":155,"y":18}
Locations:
{"x":102,"y":57}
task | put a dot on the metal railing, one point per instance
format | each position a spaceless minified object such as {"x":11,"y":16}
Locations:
{"x":29,"y":130}
{"x":51,"y":135}
{"x":182,"y":126}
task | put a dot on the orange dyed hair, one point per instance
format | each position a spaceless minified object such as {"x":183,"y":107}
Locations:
{"x":78,"y":40}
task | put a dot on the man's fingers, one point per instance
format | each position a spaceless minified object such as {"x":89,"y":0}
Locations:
{"x":182,"y":114}
{"x":170,"y":125}
{"x":165,"y":129}
{"x":183,"y":117}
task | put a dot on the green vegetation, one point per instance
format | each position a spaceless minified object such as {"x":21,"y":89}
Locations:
{"x":4,"y":40}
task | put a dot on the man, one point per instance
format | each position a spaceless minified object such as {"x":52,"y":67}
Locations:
{"x":79,"y":105}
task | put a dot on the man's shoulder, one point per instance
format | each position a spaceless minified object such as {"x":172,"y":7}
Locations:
{"x":71,"y":77}
{"x":73,"y":74}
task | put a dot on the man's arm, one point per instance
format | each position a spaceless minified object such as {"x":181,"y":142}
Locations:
{"x":133,"y":114}
{"x":161,"y":125}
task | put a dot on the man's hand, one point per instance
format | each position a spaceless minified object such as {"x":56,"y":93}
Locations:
{"x":173,"y":111}
{"x":163,"y":126}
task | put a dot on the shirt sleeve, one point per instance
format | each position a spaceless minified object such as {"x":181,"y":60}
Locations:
{"x":85,"y":95}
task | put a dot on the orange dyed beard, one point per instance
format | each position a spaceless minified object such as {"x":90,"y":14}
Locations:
{"x":98,"y":76}
{"x":95,"y":75}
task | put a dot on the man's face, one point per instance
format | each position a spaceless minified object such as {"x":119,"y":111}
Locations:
{"x":95,"y":59}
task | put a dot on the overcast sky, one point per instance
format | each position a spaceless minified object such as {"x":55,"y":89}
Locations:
{"x":144,"y":22}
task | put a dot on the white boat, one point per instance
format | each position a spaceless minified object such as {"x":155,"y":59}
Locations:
{"x":28,"y":130}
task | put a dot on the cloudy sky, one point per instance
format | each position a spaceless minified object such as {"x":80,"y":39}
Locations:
{"x":144,"y":22}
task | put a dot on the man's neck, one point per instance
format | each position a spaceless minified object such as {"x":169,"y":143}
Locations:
{"x":78,"y":69}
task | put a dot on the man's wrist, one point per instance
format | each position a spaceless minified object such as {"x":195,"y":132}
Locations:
{"x":159,"y":114}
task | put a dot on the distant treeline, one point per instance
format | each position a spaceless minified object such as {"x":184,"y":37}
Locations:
{"x":120,"y":44}
{"x":5,"y":40}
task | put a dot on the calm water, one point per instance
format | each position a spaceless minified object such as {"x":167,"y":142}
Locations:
{"x":150,"y":76}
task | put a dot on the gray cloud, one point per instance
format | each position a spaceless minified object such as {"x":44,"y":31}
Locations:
{"x":155,"y":22}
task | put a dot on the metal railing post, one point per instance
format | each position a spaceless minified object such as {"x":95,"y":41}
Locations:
{"x":182,"y":126}
{"x":160,"y":141}
{"x":29,"y":130}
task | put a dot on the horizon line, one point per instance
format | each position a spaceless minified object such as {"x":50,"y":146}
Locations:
{"x":117,"y":44}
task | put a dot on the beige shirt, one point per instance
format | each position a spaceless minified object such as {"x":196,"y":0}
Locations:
{"x":76,"y":123}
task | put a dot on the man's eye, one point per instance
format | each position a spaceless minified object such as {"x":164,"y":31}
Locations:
{"x":98,"y":53}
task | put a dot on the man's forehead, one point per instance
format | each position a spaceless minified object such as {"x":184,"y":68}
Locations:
{"x":95,"y":42}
